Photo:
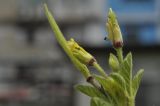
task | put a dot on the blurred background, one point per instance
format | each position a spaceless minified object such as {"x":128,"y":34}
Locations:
{"x":34,"y":70}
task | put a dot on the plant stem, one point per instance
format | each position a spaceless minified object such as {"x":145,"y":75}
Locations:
{"x":120,"y":55}
{"x":131,"y":102}
{"x":99,"y":69}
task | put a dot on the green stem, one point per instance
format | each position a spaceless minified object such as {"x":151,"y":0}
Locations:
{"x":99,"y":69}
{"x":131,"y":102}
{"x":120,"y":55}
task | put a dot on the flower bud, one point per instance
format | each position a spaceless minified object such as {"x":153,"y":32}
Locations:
{"x":113,"y":62}
{"x":114,"y":32}
{"x":83,"y":56}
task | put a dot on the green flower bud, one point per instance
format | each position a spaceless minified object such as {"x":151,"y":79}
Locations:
{"x":114,"y":32}
{"x":63,"y":43}
{"x":82,"y":55}
{"x":113,"y":62}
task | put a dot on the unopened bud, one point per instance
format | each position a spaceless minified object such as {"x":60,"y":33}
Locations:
{"x":114,"y":32}
{"x":113,"y":62}
{"x":82,"y":55}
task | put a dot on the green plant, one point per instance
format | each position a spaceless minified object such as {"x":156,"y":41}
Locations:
{"x":119,"y":88}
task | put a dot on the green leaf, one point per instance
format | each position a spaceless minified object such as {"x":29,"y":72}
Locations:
{"x":113,"y":89}
{"x":107,"y":83}
{"x":126,"y":72}
{"x":89,"y":91}
{"x":136,"y":81}
{"x":113,"y":63}
{"x":119,"y":80}
{"x":99,"y":102}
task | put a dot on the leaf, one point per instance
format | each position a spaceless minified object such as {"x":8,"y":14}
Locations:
{"x":119,"y":80}
{"x":107,"y":83}
{"x":126,"y":72}
{"x":89,"y":91}
{"x":136,"y":81}
{"x":113,"y":63}
{"x":99,"y":102}
{"x":113,"y":89}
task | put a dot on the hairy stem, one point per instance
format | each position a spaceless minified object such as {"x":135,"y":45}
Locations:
{"x":131,"y":102}
{"x":99,"y":69}
{"x":120,"y":55}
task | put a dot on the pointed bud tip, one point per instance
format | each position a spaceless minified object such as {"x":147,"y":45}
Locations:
{"x":111,"y":14}
{"x":111,"y":54}
{"x":110,"y":10}
{"x":72,"y":39}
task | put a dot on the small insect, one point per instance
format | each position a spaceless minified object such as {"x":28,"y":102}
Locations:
{"x":105,"y":38}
